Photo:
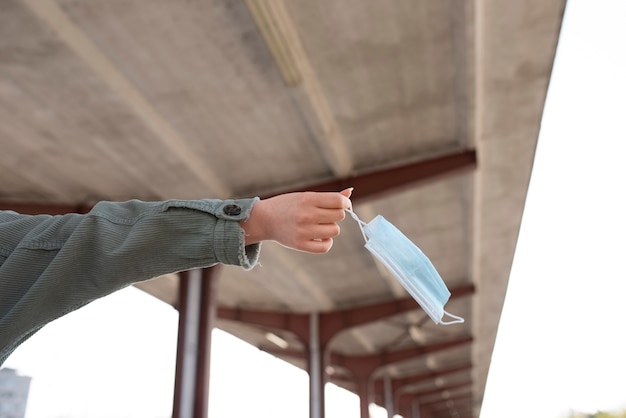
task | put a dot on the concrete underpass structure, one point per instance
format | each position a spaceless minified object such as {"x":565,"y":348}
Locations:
{"x":431,"y":109}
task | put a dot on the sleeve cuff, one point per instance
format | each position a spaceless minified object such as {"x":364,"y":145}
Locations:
{"x":228,"y":240}
{"x":234,"y":251}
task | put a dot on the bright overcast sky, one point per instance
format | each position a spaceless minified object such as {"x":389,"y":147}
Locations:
{"x":561,"y":343}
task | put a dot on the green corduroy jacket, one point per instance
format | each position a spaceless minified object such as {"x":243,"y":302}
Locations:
{"x":52,"y":265}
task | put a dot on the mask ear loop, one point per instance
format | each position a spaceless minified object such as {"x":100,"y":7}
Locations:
{"x":360,"y":222}
{"x":455,"y":320}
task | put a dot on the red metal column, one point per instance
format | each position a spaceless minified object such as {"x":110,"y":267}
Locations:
{"x":183,"y":379}
{"x":425,"y":413}
{"x":415,"y":409}
{"x":387,"y":395}
{"x":208,"y":316}
{"x":316,"y":367}
{"x":362,"y":390}
{"x":198,"y":311}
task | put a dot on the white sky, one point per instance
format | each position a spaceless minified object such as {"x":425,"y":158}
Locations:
{"x":115,"y":358}
{"x":561,"y":342}
{"x":560,"y":345}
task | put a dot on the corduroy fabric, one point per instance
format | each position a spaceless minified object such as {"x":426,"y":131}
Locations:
{"x":52,"y":265}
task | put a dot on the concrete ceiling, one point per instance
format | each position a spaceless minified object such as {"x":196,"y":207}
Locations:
{"x":430,"y":108}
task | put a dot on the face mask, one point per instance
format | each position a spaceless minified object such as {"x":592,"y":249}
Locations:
{"x":409,"y":265}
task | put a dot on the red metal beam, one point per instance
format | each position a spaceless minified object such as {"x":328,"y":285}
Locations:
{"x":331,"y":323}
{"x":437,"y":391}
{"x":34,"y":208}
{"x":392,"y":180}
{"x":365,"y":365}
{"x":279,"y":352}
{"x":367,"y":186}
{"x":398,"y":383}
{"x":461,"y":403}
{"x":458,"y":403}
{"x":406,"y":401}
{"x":465,"y":413}
{"x":295,"y":323}
{"x":459,"y":399}
{"x":340,"y":320}
{"x":463,"y":410}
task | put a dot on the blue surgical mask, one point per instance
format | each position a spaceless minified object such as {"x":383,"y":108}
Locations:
{"x":409,"y":265}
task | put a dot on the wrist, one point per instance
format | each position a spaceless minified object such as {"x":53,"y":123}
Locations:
{"x":255,"y":226}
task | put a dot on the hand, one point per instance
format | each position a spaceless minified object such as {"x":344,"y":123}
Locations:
{"x":305,"y":221}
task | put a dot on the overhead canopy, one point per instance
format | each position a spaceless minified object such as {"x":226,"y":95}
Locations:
{"x":430,"y":108}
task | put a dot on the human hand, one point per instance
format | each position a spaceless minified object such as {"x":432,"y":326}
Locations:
{"x":305,"y":221}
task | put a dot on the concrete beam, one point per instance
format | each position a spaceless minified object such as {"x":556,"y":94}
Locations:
{"x":50,"y":13}
{"x":281,"y":36}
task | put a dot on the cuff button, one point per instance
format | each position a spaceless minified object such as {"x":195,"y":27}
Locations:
{"x":232,"y":210}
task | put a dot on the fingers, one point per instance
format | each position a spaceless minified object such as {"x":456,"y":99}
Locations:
{"x":318,"y":246}
{"x":331,"y":209}
{"x":326,"y":216}
{"x":332,"y":200}
{"x":306,"y":221}
{"x":319,"y":231}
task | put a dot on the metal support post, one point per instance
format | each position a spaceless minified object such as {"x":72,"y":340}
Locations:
{"x":388,"y":396}
{"x":362,"y":390}
{"x":316,"y":377}
{"x":197,"y":310}
{"x":415,"y":409}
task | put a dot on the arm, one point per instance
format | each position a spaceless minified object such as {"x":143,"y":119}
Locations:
{"x":51,"y":265}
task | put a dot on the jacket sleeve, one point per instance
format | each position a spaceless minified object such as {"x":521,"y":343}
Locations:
{"x":51,"y":265}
